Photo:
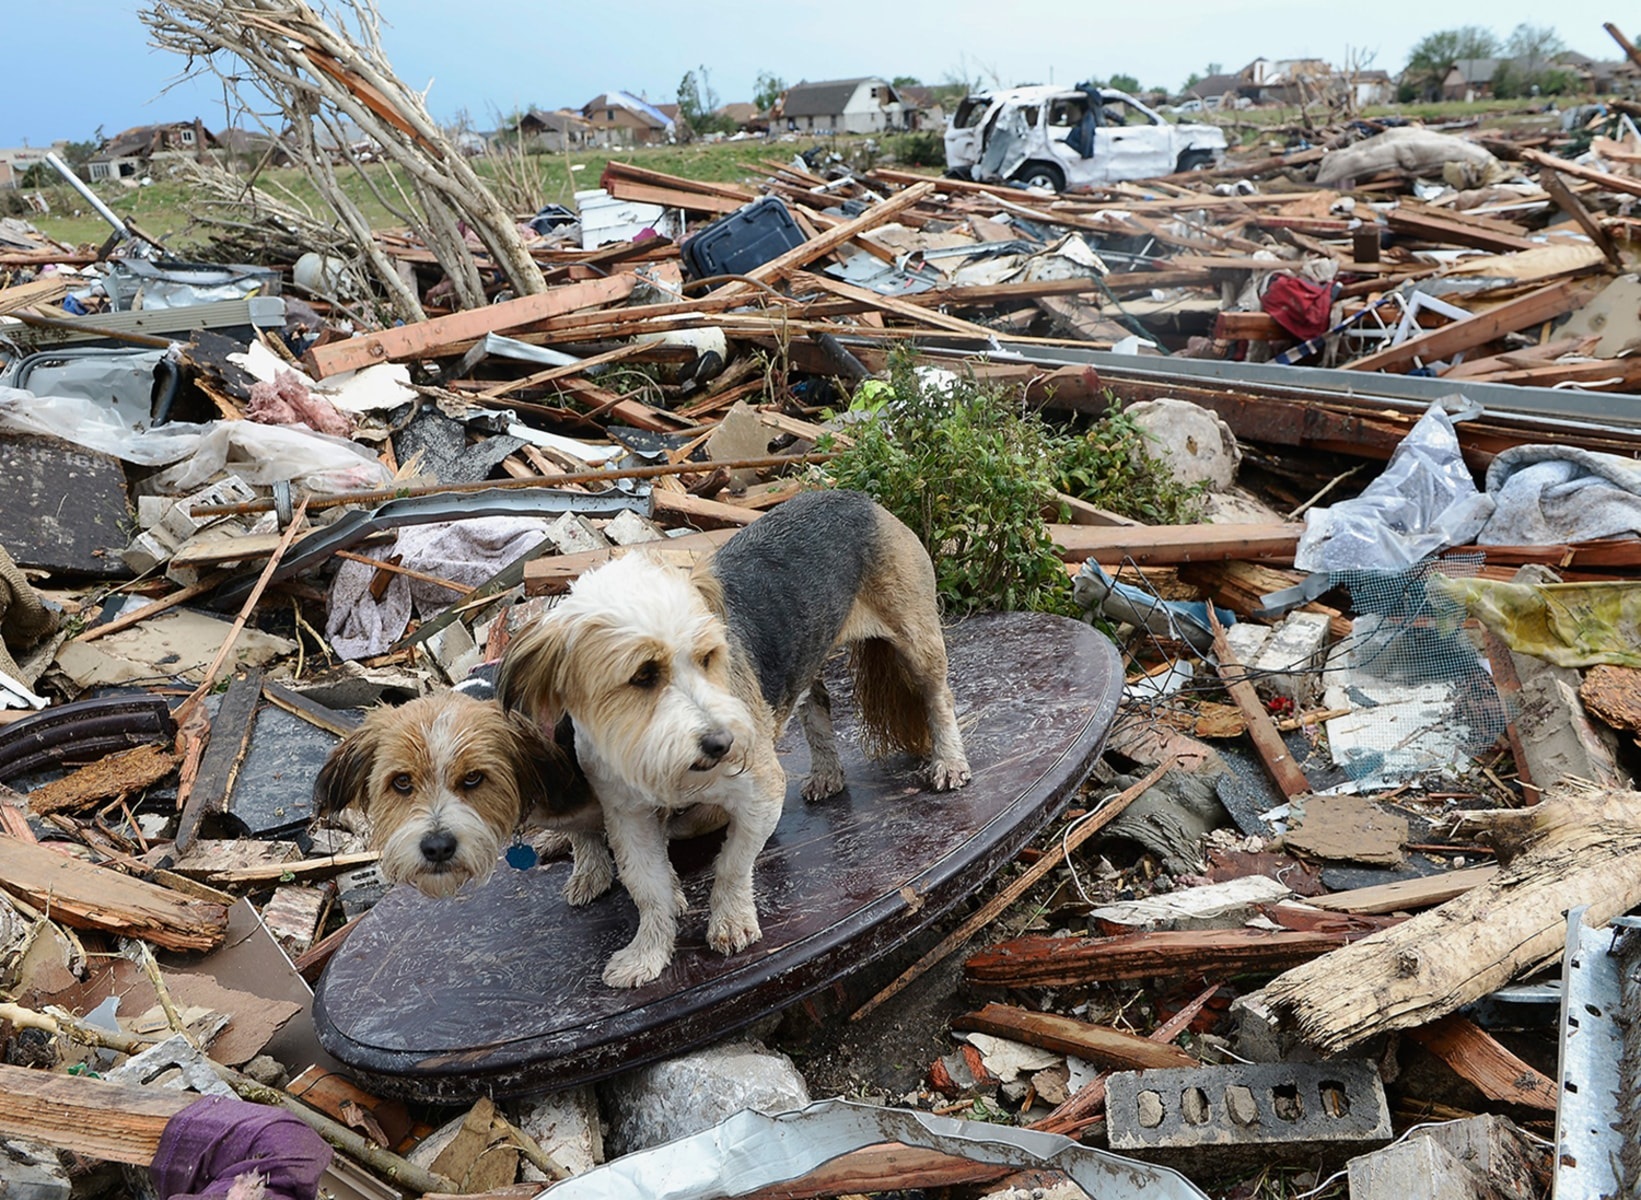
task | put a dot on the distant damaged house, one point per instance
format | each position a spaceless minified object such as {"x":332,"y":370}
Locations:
{"x":923,"y":109}
{"x":129,"y":154}
{"x":746,"y":116}
{"x":865,"y":105}
{"x":1470,"y":79}
{"x":622,"y":119}
{"x":554,"y":132}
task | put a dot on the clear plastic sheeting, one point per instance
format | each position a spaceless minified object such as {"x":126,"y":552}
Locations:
{"x":750,"y":1151}
{"x":261,"y":455}
{"x":1424,"y":502}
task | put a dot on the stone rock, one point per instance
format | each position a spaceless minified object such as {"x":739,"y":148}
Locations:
{"x":30,"y":1171}
{"x":684,"y":1095}
{"x":1197,"y":445}
{"x":566,"y":1126}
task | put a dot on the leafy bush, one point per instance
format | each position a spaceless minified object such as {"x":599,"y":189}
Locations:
{"x":917,"y":149}
{"x":969,"y":474}
{"x":972,"y":473}
{"x":1111,"y":466}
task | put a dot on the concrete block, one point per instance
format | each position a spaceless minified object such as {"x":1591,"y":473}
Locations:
{"x":1197,"y":445}
{"x":1493,"y":1148}
{"x":1247,"y":640}
{"x":1286,"y":665}
{"x":566,"y":1126}
{"x":151,"y":510}
{"x":1247,"y":1112}
{"x":149,"y":550}
{"x":1417,"y":1169}
{"x":573,"y":534}
{"x":179,"y":520}
{"x":30,"y":1171}
{"x":684,"y":1095}
{"x":1216,"y":906}
{"x":628,"y":528}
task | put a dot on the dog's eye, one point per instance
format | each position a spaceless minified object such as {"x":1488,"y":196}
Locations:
{"x":402,"y":783}
{"x":472,"y":779}
{"x":710,"y":657}
{"x":647,"y":676}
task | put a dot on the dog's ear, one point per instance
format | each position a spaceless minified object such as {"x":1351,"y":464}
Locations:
{"x":345,"y":777}
{"x":532,"y":670}
{"x":549,"y":778}
{"x":711,"y":589}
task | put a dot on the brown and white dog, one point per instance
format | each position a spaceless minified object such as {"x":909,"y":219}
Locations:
{"x":446,"y":780}
{"x":678,"y":683}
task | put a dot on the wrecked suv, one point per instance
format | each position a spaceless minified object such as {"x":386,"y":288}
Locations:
{"x":1059,"y":138}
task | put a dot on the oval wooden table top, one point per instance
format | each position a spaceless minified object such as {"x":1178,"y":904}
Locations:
{"x":496,"y":991}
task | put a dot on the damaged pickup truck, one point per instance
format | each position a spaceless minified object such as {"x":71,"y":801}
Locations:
{"x":1060,"y":138}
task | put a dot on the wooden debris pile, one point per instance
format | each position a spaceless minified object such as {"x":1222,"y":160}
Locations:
{"x":1237,"y":885}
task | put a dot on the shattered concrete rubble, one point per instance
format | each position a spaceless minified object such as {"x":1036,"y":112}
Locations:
{"x":1301,"y":929}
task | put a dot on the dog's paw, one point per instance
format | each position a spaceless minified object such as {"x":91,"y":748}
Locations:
{"x":680,"y":902}
{"x":634,"y":967}
{"x":945,"y":776}
{"x":585,"y":886}
{"x":822,"y":784}
{"x":733,"y":931}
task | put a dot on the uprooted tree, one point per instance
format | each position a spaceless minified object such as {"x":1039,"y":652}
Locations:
{"x":328,"y":81}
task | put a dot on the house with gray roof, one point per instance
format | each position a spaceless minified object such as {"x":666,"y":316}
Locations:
{"x":865,"y":105}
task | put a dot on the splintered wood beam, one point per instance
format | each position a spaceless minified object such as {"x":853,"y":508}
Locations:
{"x":225,"y":748}
{"x":1054,"y":962}
{"x":1585,"y":843}
{"x":1534,"y":308}
{"x":114,"y":1122}
{"x":1603,"y":179}
{"x":1475,"y":1056}
{"x":1099,"y":1044}
{"x":87,"y":897}
{"x":1406,"y":894}
{"x":411,"y":341}
{"x":801,"y":256}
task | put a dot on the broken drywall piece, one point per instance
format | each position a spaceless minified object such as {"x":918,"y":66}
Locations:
{"x":1346,"y":827}
{"x":1215,"y":906}
{"x":173,"y":645}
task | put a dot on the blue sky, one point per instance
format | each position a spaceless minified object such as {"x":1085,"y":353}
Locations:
{"x":75,"y":65}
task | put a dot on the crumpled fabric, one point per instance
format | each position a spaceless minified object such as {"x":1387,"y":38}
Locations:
{"x":1413,"y":151}
{"x":1568,"y":624}
{"x":1298,"y":305}
{"x":465,"y":552}
{"x":209,"y":1146}
{"x":1547,"y":495}
{"x":24,"y":619}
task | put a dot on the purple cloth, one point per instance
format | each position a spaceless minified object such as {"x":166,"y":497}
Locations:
{"x":208,"y":1145}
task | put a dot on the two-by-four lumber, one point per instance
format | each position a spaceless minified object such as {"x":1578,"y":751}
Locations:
{"x":1099,"y":1044}
{"x":1545,"y":304}
{"x":87,"y":897}
{"x":114,"y":1122}
{"x":549,"y":576}
{"x":1166,"y":545}
{"x":801,"y":256}
{"x":410,"y":341}
{"x":1406,"y":894}
{"x":1267,"y":740}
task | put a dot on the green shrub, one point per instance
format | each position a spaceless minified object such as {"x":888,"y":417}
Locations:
{"x":1111,"y":465}
{"x":923,"y":149}
{"x":970,"y":474}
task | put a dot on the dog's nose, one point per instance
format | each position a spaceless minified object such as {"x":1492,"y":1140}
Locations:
{"x":439,"y":847}
{"x":716,"y":744}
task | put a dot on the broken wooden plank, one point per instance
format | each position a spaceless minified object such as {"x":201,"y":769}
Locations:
{"x":1175,"y":544}
{"x":1534,"y":308}
{"x":801,"y":256}
{"x":121,"y":774}
{"x":411,"y":341}
{"x":697,"y":513}
{"x":1099,"y":1044}
{"x":1584,"y":844}
{"x":225,"y":749}
{"x":1273,"y":751}
{"x":1550,"y":180}
{"x":114,"y":1122}
{"x":1456,"y":228}
{"x":1603,"y":179}
{"x":1478,"y":1058}
{"x":307,"y":868}
{"x":1406,"y":894}
{"x":87,"y":897}
{"x":1037,"y":961}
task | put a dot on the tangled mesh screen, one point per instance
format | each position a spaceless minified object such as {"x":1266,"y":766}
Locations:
{"x":1422,"y":700}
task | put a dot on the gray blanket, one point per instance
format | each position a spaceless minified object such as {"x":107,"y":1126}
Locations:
{"x":1546,"y":495}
